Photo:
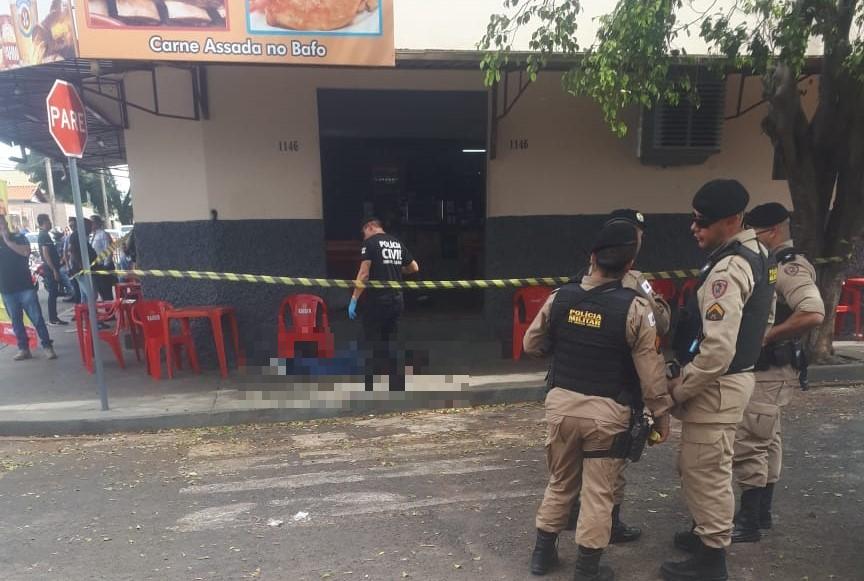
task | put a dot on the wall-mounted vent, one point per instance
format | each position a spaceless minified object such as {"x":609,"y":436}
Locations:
{"x":684,"y":134}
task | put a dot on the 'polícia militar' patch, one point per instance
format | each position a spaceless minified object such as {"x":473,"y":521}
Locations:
{"x":585,"y":318}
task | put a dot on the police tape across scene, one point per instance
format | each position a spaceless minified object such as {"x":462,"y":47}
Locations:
{"x":379,"y":284}
{"x":103,"y":255}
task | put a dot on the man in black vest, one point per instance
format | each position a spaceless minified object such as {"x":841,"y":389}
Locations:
{"x":725,"y":326}
{"x":758,"y":445}
{"x":633,"y":279}
{"x":605,"y":363}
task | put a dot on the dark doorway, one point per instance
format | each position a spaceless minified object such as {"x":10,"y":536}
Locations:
{"x":416,"y":160}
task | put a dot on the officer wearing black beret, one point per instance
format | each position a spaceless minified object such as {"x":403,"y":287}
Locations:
{"x":758,"y":445}
{"x":722,"y":331}
{"x":662,"y":312}
{"x":602,"y":339}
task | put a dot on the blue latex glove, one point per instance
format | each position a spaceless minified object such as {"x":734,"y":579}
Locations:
{"x":352,"y":309}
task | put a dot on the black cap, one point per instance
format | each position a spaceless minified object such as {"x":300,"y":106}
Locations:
{"x":627,"y":215}
{"x":720,"y":199}
{"x":767,"y":215}
{"x":618,"y":233}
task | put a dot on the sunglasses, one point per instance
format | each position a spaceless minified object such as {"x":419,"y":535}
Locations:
{"x":702,"y":221}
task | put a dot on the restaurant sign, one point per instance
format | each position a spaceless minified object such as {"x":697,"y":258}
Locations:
{"x":316,"y":32}
{"x":34,"y":32}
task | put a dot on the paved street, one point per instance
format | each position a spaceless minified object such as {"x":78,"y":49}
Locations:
{"x":431,"y":495}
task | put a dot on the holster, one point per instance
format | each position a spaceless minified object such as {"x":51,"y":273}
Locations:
{"x":629,"y":444}
{"x":779,"y":355}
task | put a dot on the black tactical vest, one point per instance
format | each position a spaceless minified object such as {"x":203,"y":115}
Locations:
{"x":755,"y":316}
{"x":588,"y":333}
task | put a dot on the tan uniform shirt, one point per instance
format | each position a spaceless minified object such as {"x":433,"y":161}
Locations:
{"x":706,"y":393}
{"x":796,"y":284}
{"x":662,"y":312}
{"x":641,"y":335}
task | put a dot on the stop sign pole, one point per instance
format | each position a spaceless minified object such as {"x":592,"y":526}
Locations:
{"x":67,"y":123}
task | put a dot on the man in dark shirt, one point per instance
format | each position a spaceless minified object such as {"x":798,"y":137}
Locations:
{"x":51,"y":260}
{"x":76,"y":264}
{"x":383,"y":258}
{"x":19,"y":292}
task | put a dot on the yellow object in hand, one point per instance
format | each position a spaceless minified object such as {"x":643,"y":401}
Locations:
{"x":654,"y":436}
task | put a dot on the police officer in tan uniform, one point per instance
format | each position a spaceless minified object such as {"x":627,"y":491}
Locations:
{"x":633,"y":279}
{"x":758,"y":445}
{"x":727,"y":321}
{"x":605,"y":363}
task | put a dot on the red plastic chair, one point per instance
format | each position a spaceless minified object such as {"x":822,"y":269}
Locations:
{"x":846,"y":307}
{"x":687,"y":289}
{"x":304,"y":327}
{"x":665,"y":288}
{"x":150,"y":316}
{"x":527,"y":302}
{"x":104,"y":312}
{"x":128,"y":290}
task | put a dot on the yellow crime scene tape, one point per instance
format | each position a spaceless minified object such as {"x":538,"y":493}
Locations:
{"x":499,"y":283}
{"x":103,"y":255}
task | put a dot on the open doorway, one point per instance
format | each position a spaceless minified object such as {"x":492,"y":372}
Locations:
{"x":416,"y":160}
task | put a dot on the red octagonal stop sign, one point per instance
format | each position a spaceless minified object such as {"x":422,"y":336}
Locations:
{"x":67,"y":119}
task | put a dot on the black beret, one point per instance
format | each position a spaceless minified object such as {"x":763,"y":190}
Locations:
{"x":720,"y":199}
{"x":615,"y":234}
{"x":627,"y":215}
{"x":766,"y":215}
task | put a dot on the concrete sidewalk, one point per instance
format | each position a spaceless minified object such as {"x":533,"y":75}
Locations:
{"x":41,"y":397}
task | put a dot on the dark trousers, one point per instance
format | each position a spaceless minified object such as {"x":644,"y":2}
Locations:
{"x":380,"y":325}
{"x":53,"y":287}
{"x":104,"y":283}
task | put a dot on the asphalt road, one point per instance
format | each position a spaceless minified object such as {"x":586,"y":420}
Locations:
{"x":432,"y":496}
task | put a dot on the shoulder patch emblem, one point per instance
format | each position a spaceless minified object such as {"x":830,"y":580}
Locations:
{"x":772,"y":275}
{"x":715,"y":313}
{"x":646,"y":286}
{"x":791,"y":269}
{"x":651,"y":320}
{"x":718,"y":288}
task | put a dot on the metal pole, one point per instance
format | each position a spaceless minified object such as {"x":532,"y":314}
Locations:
{"x":49,"y":178}
{"x":107,"y":215}
{"x":87,"y":280}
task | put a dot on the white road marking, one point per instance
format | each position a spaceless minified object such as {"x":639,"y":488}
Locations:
{"x":213,"y":518}
{"x":427,"y":502}
{"x":441,"y":467}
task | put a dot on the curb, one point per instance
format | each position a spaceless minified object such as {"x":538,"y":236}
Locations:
{"x":379,"y":403}
{"x":391,"y":402}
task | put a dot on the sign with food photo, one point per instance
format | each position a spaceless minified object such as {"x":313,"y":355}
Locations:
{"x":34,"y":32}
{"x":316,"y":32}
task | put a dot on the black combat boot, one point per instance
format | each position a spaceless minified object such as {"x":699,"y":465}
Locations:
{"x":545,"y":555}
{"x":588,"y":566}
{"x":766,"y":522}
{"x":747,"y":520}
{"x":688,"y":540}
{"x":574,"y":516}
{"x":706,"y":565}
{"x":621,"y":533}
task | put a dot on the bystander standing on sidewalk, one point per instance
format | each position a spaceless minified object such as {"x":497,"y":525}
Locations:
{"x":51,"y":260}
{"x":19,"y":291}
{"x":101,"y":242}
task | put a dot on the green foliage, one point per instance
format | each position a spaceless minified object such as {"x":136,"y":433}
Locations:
{"x":91,"y":187}
{"x":632,"y":60}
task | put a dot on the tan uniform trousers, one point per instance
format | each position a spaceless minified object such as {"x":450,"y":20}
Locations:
{"x":758,"y":442}
{"x":705,"y":465}
{"x":571,"y":475}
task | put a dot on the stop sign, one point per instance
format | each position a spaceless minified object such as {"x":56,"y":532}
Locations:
{"x":67,"y":119}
